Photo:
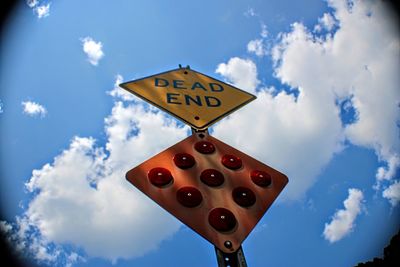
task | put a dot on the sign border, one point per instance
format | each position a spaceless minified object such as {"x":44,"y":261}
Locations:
{"x":205,"y":126}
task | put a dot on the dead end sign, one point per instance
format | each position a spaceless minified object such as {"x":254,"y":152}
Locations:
{"x":191,"y":96}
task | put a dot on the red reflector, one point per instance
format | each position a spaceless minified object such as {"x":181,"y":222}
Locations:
{"x":184,"y":160}
{"x":160,"y":176}
{"x":204,"y":147}
{"x":261,"y":178}
{"x":189,"y":196}
{"x":231,"y":162}
{"x":222,"y":219}
{"x":212,"y":177}
{"x":243,"y":196}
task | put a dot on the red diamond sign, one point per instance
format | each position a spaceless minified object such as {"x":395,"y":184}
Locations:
{"x":218,"y":191}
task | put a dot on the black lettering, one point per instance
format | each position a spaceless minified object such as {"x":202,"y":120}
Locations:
{"x":159,"y":82}
{"x":218,"y":89}
{"x":214,"y":103}
{"x":178,"y":84}
{"x":171,"y":97}
{"x":198,"y":85}
{"x":188,"y":98}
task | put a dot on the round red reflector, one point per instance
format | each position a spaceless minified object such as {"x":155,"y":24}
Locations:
{"x":222,"y":219}
{"x":231,"y":162}
{"x":189,"y":196}
{"x":184,"y":160}
{"x":160,"y":176}
{"x":204,"y":147}
{"x":212,"y":177}
{"x":261,"y":178}
{"x":243,"y":196}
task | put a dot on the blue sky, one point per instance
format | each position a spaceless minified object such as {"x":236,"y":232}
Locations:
{"x":326,"y":114}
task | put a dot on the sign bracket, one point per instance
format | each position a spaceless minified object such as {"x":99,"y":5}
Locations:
{"x":235,"y":259}
{"x":195,"y":131}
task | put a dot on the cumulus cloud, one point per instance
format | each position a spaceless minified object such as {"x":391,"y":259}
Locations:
{"x":392,"y":193}
{"x":301,"y":133}
{"x":358,"y":62}
{"x":264,"y":30}
{"x":33,"y":109}
{"x":40,"y":8}
{"x":25,"y":242}
{"x":93,"y":50}
{"x":256,"y":46}
{"x":287,"y":133}
{"x":250,"y":12}
{"x":388,"y":171}
{"x":120,"y":93}
{"x":240,"y":72}
{"x":327,"y":22}
{"x":343,"y":220}
{"x":93,"y":207}
{"x":32,"y":3}
{"x":43,"y":11}
{"x":1,"y":107}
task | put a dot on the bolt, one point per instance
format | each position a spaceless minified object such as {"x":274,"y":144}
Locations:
{"x":228,"y":244}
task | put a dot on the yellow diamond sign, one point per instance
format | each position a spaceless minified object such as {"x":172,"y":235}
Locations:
{"x":191,"y":96}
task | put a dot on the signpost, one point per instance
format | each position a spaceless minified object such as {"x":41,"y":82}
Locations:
{"x":215,"y":189}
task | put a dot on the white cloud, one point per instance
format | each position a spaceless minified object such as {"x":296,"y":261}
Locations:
{"x":42,"y":11}
{"x":33,"y":109}
{"x":111,"y":219}
{"x":1,"y":107}
{"x":5,"y":227}
{"x":300,"y":135}
{"x":40,"y":8}
{"x":343,"y":220}
{"x":26,"y":242}
{"x":241,"y":72}
{"x":287,"y":134}
{"x":32,"y":3}
{"x":359,"y":62}
{"x":250,"y":12}
{"x":327,"y":22}
{"x":264,"y":31}
{"x":257,"y":47}
{"x":93,"y":50}
{"x":389,"y":171}
{"x":118,"y":92}
{"x":392,"y":193}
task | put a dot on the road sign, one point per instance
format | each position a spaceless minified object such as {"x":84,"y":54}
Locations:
{"x":218,"y":191}
{"x":191,"y":96}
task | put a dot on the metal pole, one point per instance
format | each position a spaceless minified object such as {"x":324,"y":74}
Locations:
{"x":235,"y":259}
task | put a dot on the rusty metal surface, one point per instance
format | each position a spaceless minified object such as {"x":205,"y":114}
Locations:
{"x":213,"y":197}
